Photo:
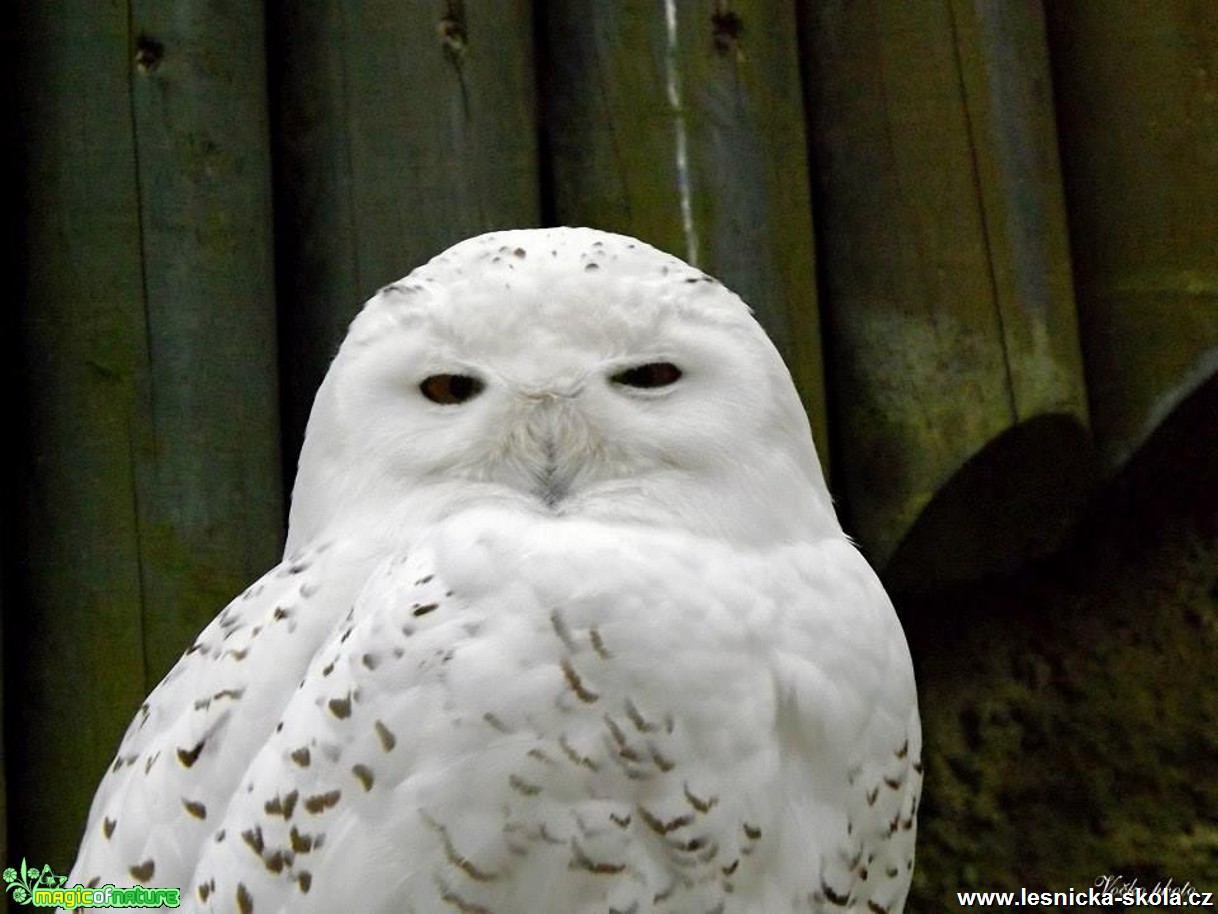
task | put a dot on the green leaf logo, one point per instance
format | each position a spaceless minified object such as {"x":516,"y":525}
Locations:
{"x":22,"y":884}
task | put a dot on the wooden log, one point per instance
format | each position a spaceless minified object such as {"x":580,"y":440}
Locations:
{"x":10,"y":236}
{"x":682,"y":124}
{"x":148,"y":333}
{"x":401,"y":128}
{"x":1137,"y":101}
{"x":953,"y":335}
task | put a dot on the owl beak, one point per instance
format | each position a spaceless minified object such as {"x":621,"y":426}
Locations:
{"x":554,"y":430}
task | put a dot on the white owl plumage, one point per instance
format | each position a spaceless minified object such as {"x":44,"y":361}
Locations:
{"x":566,"y":624}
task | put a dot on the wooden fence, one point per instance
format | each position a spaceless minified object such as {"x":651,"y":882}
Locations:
{"x":987,"y":230}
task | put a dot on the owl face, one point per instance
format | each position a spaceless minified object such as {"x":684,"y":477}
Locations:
{"x":567,"y":373}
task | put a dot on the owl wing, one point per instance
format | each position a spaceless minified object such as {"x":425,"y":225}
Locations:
{"x":848,"y":680}
{"x":182,"y":756}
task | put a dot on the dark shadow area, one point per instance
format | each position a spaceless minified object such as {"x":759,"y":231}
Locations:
{"x":1013,"y":501}
{"x":1069,"y":707}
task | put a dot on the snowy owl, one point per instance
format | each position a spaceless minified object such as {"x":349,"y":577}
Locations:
{"x":566,"y":624}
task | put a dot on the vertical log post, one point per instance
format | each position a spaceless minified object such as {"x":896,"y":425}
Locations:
{"x":153,"y":490}
{"x":1137,"y":100}
{"x":954,"y":350}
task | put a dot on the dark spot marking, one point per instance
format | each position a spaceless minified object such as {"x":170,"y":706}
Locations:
{"x":301,"y":756}
{"x":276,"y":861}
{"x":700,"y":805}
{"x":902,"y":752}
{"x":621,"y":821}
{"x":574,"y":756}
{"x":245,"y":901}
{"x":304,"y":879}
{"x":371,"y":661}
{"x":189,"y":756}
{"x":580,"y":860}
{"x":280,"y":613}
{"x":142,"y":872}
{"x":577,"y":686}
{"x":460,"y":861}
{"x":560,"y":628}
{"x":752,"y":832}
{"x":661,"y":827}
{"x":625,"y":750}
{"x":195,"y":808}
{"x":340,"y":707}
{"x":838,"y":899}
{"x":288,"y":805}
{"x":424,"y":609}
{"x":662,"y":762}
{"x":872,"y":794}
{"x":876,"y":908}
{"x":598,"y":645}
{"x":301,"y":843}
{"x":238,"y":655}
{"x":253,"y":837}
{"x":640,"y":723}
{"x":448,"y":896}
{"x":364,"y":775}
{"x":522,"y":786}
{"x":320,"y":802}
{"x":385,"y":735}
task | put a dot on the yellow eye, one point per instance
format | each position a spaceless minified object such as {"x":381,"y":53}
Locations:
{"x":653,"y":374}
{"x":450,"y":389}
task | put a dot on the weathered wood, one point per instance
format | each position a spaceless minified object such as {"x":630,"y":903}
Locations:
{"x":681,"y":123}
{"x":401,"y":129}
{"x":1137,"y":100}
{"x":946,"y":274}
{"x":154,"y":490}
{"x":10,"y":236}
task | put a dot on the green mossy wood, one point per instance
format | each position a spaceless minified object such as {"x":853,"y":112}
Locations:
{"x":1137,"y":101}
{"x":683,"y":126}
{"x":949,"y":300}
{"x":153,"y":487}
{"x":401,"y":129}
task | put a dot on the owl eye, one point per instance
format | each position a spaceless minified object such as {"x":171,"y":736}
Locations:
{"x":653,"y":374}
{"x":450,"y":389}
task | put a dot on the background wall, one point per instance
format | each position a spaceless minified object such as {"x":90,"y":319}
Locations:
{"x":982,"y":235}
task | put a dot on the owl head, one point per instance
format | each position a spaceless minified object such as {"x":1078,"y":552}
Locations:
{"x":568,"y":373}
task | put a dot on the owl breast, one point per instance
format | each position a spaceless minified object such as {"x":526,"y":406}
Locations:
{"x":609,"y":713}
